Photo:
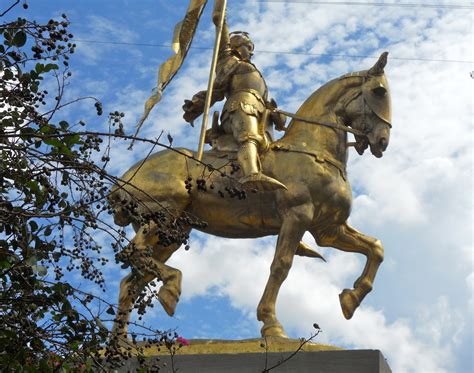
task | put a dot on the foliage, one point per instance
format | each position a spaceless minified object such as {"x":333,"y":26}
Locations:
{"x":53,"y":198}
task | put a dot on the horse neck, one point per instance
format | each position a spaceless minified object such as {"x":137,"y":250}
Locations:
{"x":321,"y":106}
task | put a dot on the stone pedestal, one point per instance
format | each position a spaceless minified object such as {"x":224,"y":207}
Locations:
{"x":248,"y":356}
{"x":349,"y":361}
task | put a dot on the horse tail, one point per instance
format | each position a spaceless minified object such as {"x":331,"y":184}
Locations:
{"x":305,"y":250}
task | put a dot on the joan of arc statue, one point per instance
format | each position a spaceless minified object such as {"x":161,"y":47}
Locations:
{"x":247,"y":112}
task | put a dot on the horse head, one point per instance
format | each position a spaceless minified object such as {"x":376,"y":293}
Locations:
{"x":369,"y":109}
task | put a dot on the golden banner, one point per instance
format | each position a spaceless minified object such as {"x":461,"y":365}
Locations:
{"x":182,"y":37}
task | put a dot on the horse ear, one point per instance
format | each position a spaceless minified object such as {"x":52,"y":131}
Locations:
{"x":377,"y":69}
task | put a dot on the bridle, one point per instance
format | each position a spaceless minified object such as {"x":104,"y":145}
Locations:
{"x":336,"y":125}
{"x":325,"y":124}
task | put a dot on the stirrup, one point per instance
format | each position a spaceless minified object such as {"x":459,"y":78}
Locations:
{"x":261,"y":182}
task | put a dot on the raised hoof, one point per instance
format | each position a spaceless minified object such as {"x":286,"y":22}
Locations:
{"x":168,"y":300}
{"x":349,"y":303}
{"x":273,"y":330}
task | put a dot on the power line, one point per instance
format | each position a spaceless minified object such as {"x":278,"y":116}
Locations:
{"x":277,"y":52}
{"x":361,"y":3}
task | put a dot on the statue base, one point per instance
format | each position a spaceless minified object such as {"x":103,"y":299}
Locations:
{"x":253,"y":355}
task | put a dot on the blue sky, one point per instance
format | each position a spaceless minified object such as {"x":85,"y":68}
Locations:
{"x":417,"y":199}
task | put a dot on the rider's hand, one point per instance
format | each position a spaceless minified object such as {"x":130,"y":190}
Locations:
{"x":279,"y":119}
{"x":190,"y":111}
{"x":272,"y":105}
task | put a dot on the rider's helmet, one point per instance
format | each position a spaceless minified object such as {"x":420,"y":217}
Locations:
{"x":239,"y":38}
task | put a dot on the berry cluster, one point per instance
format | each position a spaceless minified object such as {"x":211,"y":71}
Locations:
{"x":188,"y":184}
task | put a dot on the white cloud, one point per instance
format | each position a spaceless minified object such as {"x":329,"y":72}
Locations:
{"x":100,"y":28}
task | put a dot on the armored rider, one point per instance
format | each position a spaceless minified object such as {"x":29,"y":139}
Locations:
{"x":247,"y":114}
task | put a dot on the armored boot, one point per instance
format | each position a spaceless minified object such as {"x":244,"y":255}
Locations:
{"x":253,"y":178}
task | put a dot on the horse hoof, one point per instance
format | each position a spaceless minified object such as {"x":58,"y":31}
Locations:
{"x":349,"y":303}
{"x":273,"y":330}
{"x":168,"y":300}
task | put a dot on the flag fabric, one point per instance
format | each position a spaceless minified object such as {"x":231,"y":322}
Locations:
{"x":182,"y":37}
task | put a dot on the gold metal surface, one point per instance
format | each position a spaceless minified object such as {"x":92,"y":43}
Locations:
{"x":310,"y":160}
{"x":216,"y":346}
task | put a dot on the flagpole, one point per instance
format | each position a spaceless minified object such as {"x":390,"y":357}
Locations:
{"x":210,"y":86}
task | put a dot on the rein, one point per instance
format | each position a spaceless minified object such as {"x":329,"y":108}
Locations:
{"x":325,"y":124}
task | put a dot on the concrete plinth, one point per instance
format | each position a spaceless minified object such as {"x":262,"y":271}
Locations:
{"x":321,"y":360}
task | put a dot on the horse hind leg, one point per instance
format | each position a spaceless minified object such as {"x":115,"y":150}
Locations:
{"x":348,"y":239}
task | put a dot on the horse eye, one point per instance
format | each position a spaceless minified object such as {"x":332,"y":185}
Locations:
{"x":379,"y":91}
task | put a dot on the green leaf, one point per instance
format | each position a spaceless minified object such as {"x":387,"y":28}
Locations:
{"x":39,"y":68}
{"x":33,"y":185}
{"x":20,"y":39}
{"x":47,"y":129}
{"x":72,"y":140}
{"x":50,"y":66}
{"x":33,"y":225}
{"x":4,"y":264}
{"x":53,"y":142}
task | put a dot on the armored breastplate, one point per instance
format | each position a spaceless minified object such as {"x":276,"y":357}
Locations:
{"x":248,"y":78}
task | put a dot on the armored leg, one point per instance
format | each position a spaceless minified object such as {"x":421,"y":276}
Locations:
{"x":245,"y":129}
{"x":248,"y":158}
{"x":249,"y":163}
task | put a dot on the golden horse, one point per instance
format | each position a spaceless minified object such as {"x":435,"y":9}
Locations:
{"x":310,"y":159}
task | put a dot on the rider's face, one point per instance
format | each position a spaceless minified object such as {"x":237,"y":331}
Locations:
{"x":245,"y":51}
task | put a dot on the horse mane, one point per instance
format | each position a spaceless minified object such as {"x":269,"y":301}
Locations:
{"x":316,"y":105}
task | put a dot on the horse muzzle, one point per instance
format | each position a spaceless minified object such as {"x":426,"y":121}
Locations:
{"x":378,"y":146}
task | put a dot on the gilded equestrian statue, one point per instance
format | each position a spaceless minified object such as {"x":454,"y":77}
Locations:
{"x":310,"y":160}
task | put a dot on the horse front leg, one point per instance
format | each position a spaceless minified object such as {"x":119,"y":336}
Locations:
{"x":130,"y":288}
{"x":346,"y":238}
{"x":146,"y":268}
{"x":289,"y":237}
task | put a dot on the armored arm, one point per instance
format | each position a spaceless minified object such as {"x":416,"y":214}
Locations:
{"x":226,"y":65}
{"x":194,"y":107}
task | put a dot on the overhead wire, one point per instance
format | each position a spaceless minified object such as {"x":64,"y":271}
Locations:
{"x":356,"y":3}
{"x":278,"y":52}
{"x":364,"y":3}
